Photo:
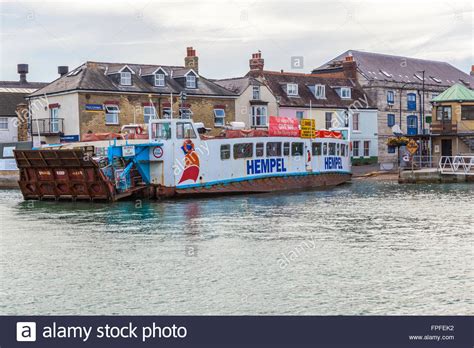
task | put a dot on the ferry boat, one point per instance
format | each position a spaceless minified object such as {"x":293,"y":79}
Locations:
{"x":177,"y":159}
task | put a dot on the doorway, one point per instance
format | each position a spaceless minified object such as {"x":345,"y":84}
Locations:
{"x":446,"y":147}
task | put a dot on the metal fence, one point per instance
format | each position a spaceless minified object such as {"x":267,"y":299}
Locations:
{"x":456,"y":165}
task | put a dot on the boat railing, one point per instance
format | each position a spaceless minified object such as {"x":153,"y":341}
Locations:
{"x":462,"y":164}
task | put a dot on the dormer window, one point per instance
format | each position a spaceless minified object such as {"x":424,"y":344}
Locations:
{"x":159,"y":79}
{"x":320,"y":91}
{"x":190,"y":81}
{"x":126,"y":78}
{"x":292,"y":89}
{"x":345,"y":93}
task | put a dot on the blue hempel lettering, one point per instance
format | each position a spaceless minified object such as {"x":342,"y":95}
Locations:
{"x":333,"y":163}
{"x":265,"y":166}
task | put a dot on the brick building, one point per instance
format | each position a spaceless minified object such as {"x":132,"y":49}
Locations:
{"x":103,"y":97}
{"x":401,"y":88}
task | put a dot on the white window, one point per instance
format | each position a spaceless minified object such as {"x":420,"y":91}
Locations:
{"x":185,"y":113}
{"x":111,"y":114}
{"x":259,"y":116}
{"x":3,"y":123}
{"x":320,"y":91}
{"x":160,"y":80}
{"x":190,"y":81}
{"x":355,"y":121}
{"x":345,"y":93}
{"x":256,"y":92}
{"x":126,"y":78}
{"x":219,"y":117}
{"x":54,"y":119}
{"x":292,"y":89}
{"x":149,"y":112}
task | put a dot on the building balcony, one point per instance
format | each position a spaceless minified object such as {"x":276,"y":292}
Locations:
{"x":47,"y":126}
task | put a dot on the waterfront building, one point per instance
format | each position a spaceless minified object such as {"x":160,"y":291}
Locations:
{"x":401,"y":88}
{"x":332,"y":102}
{"x":452,"y":129}
{"x":103,"y":97}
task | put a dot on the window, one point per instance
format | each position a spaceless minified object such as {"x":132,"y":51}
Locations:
{"x":390,"y":97}
{"x":259,"y":150}
{"x":160,"y":80}
{"x":338,"y":149}
{"x":299,"y":115}
{"x":256,"y":92}
{"x":54,"y":119}
{"x":185,"y":130}
{"x":355,"y":121}
{"x":390,"y":120}
{"x":111,"y":114}
{"x":185,"y":113}
{"x":3,"y":123}
{"x":325,"y":149}
{"x":243,"y":150}
{"x":149,"y":112}
{"x":286,"y":149}
{"x":355,"y":148}
{"x":259,"y":116}
{"x":332,"y":149}
{"x":161,"y":131}
{"x":443,"y":113}
{"x":467,"y":112}
{"x":328,"y":120}
{"x":316,"y":149}
{"x":297,"y":149}
{"x":292,"y":89}
{"x":273,"y":149}
{"x":391,"y":149}
{"x":366,"y":148}
{"x":126,"y":78}
{"x":320,"y":91}
{"x":166,"y":113}
{"x":219,"y":117}
{"x":343,"y":150}
{"x":345,"y":93}
{"x":190,"y":81}
{"x":225,"y":152}
{"x":411,"y":101}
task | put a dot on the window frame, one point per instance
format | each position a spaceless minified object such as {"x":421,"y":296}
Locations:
{"x":183,"y":135}
{"x":467,"y":112}
{"x":366,"y":149}
{"x":125,"y":78}
{"x":254,"y":115}
{"x":247,"y":154}
{"x":355,"y":122}
{"x":259,"y":149}
{"x":320,"y":91}
{"x":225,"y":151}
{"x":160,"y":82}
{"x":440,"y":116}
{"x":152,"y":116}
{"x":191,"y":81}
{"x":411,"y":102}
{"x":277,"y":149}
{"x":4,"y":121}
{"x":389,"y":122}
{"x":348,"y":90}
{"x":316,"y":149}
{"x":390,"y":97}
{"x":292,"y":89}
{"x":326,"y":120}
{"x":187,"y":112}
{"x":222,"y":118}
{"x":294,"y":148}
{"x":356,"y":146}
{"x":256,"y":92}
{"x":112,"y":110}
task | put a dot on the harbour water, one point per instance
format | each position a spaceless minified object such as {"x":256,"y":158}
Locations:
{"x":363,"y":248}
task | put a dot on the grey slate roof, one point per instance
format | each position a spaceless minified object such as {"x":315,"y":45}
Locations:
{"x":238,"y":84}
{"x":100,"y":76}
{"x":402,"y":69}
{"x":13,"y":93}
{"x":9,"y":101}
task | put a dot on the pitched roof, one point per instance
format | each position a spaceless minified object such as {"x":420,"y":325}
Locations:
{"x":385,"y":67}
{"x":20,"y":87}
{"x":9,"y":102}
{"x":456,"y":92}
{"x":238,"y":84}
{"x":277,"y":82}
{"x":13,"y":93}
{"x":99,"y":76}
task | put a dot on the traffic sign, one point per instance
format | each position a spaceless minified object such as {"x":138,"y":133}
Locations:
{"x":412,"y":147}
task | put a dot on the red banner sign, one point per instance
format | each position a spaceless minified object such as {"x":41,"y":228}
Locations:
{"x":283,"y":127}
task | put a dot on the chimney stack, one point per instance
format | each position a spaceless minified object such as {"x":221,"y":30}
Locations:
{"x":349,"y":66}
{"x":63,"y":70}
{"x":472,"y":70}
{"x":22,"y":70}
{"x":256,"y":63}
{"x":191,"y":61}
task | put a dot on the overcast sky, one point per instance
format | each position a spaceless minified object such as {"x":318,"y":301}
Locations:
{"x":225,"y":33}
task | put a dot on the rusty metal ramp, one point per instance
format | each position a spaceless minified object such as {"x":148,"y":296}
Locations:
{"x":62,"y":174}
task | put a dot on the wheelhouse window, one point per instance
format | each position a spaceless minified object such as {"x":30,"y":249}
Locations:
{"x":185,"y":130}
{"x":355,"y":121}
{"x":338,"y":149}
{"x":219,"y":117}
{"x":190,"y":81}
{"x":411,"y":101}
{"x":185,"y":113}
{"x":286,"y":149}
{"x":292,"y":89}
{"x":355,"y":149}
{"x":390,"y":97}
{"x":343,"y":150}
{"x":259,"y":116}
{"x":244,"y":150}
{"x":320,"y":92}
{"x":273,"y":149}
{"x":161,"y":130}
{"x":467,"y":112}
{"x":125,"y":78}
{"x":325,"y":149}
{"x":366,"y":148}
{"x":259,"y":149}
{"x":256,"y":92}
{"x":149,"y":112}
{"x":443,"y":113}
{"x":3,"y":123}
{"x":345,"y":93}
{"x":316,"y":149}
{"x":111,"y":114}
{"x":390,"y":120}
{"x":225,"y":152}
{"x":332,"y":149}
{"x":297,"y":149}
{"x":160,"y":80}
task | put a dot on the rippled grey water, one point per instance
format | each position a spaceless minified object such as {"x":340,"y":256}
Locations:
{"x":363,"y":248}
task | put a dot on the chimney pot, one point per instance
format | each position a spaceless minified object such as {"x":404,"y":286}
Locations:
{"x":63,"y":70}
{"x":22,"y":70}
{"x":349,"y":58}
{"x":256,"y":62}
